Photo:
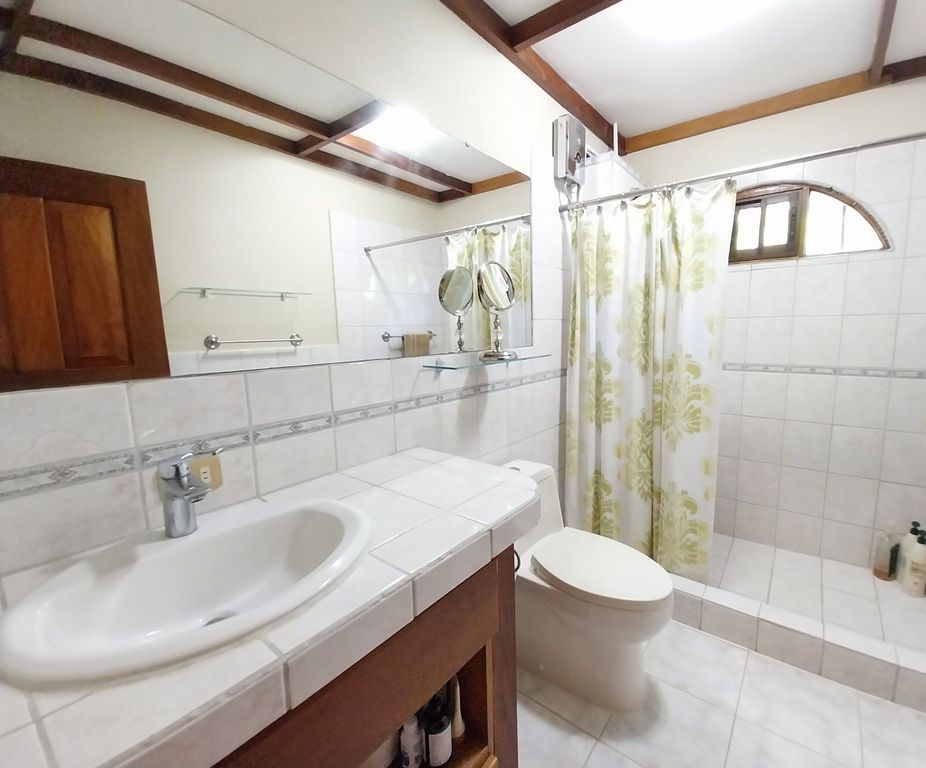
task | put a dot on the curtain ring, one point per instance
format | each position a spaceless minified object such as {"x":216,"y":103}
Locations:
{"x":688,"y":191}
{"x":599,"y":210}
{"x":623,"y":205}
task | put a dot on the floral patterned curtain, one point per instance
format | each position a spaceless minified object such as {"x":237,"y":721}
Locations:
{"x":644,"y":366}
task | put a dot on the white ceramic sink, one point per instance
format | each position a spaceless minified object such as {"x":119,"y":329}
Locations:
{"x":135,"y":606}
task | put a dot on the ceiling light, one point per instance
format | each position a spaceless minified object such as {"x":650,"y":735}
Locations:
{"x":401,"y":129}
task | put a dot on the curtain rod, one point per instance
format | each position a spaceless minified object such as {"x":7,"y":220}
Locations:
{"x":419,"y":238}
{"x":727,"y":174}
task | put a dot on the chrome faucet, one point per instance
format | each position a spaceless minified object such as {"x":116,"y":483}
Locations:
{"x":179,"y":492}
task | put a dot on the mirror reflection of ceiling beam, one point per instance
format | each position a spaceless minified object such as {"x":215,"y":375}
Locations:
{"x":18,"y":22}
{"x":103,"y":48}
{"x":883,"y":38}
{"x":556,"y":18}
{"x":484,"y":21}
{"x":342,"y":127}
{"x":14,"y":21}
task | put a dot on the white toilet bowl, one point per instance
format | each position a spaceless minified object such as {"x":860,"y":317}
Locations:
{"x":586,"y":605}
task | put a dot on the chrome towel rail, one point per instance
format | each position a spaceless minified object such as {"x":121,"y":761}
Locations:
{"x":214,"y":342}
{"x":389,"y":336}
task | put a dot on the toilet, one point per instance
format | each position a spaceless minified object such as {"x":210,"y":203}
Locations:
{"x":586,"y":605}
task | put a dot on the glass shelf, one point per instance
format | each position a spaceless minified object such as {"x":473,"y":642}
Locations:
{"x":439,"y":366}
{"x":204,"y":293}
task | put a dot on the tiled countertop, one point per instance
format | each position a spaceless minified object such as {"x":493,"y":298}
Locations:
{"x":436,"y":520}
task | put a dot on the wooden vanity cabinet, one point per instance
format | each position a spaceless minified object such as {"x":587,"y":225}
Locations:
{"x":79,"y":300}
{"x":469,"y":632}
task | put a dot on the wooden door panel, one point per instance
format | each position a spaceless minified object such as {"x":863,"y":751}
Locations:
{"x":28,"y":289}
{"x":83,"y":252}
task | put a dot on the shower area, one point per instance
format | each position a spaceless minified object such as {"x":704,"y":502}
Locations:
{"x":778,"y":431}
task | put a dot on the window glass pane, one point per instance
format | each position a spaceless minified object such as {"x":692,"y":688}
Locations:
{"x":824,"y":225}
{"x":747,"y":228}
{"x":777,"y":217}
{"x":860,"y":236}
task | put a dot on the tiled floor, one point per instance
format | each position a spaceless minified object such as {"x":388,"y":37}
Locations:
{"x":822,"y":589}
{"x":716,"y":705}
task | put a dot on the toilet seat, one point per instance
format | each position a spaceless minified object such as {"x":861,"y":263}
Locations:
{"x":602,"y":571}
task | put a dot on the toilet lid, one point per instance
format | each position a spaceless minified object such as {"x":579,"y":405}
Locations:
{"x":599,"y":570}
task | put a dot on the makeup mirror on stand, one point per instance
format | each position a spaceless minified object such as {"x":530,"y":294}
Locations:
{"x":455,"y":292}
{"x":496,"y":293}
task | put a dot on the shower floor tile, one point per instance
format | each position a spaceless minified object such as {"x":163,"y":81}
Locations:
{"x":768,"y":715}
{"x":846,"y":595}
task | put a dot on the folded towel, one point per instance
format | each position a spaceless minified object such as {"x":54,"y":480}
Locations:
{"x":414,"y":344}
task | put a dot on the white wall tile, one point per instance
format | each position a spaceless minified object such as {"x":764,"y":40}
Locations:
{"x":919,"y":169}
{"x":734,"y":340}
{"x":799,"y":533}
{"x":820,"y":289}
{"x":904,"y":458}
{"x":768,"y":340}
{"x":758,"y":483}
{"x":754,"y":522}
{"x":727,"y":474}
{"x":846,"y":543}
{"x":364,"y":441}
{"x":419,"y":427}
{"x":725,"y":516}
{"x":548,"y":293}
{"x":729,"y":435}
{"x":288,"y":393}
{"x":737,"y":294}
{"x":409,"y":379}
{"x":165,"y":410}
{"x":771,"y":292}
{"x":885,"y":174}
{"x":867,"y":341}
{"x":858,"y":661}
{"x":802,"y":490}
{"x":731,"y":391}
{"x":896,"y":503}
{"x":894,"y":218}
{"x":460,"y":426}
{"x":357,"y":384}
{"x":911,"y":349}
{"x":856,"y":451}
{"x":803,"y":649}
{"x":732,"y":617}
{"x":294,"y":460}
{"x":906,"y":411}
{"x":70,"y":519}
{"x":851,"y":499}
{"x":861,"y":401}
{"x":764,"y":394}
{"x":873,"y":287}
{"x":810,"y":397}
{"x":913,"y":293}
{"x":815,"y":340}
{"x":760,"y":439}
{"x":51,"y":425}
{"x":837,"y":171}
{"x":806,"y":445}
{"x":916,"y":231}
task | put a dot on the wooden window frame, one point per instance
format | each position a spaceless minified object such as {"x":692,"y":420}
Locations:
{"x":799,"y":193}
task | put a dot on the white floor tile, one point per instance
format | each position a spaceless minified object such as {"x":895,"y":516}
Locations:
{"x":892,"y":736}
{"x":795,"y":565}
{"x":697,"y":663}
{"x":752,"y":553}
{"x":673,"y":728}
{"x":720,"y":545}
{"x":799,"y":596}
{"x":545,"y":739}
{"x":849,"y":578}
{"x":588,"y":717}
{"x":903,"y":626}
{"x":852,"y":612}
{"x":802,"y":707}
{"x":605,"y":757}
{"x":754,"y":747}
{"x":746,"y":580}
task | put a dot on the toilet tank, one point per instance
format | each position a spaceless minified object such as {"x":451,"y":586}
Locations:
{"x":551,"y":513}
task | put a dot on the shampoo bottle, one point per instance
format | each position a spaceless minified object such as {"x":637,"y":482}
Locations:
{"x":411,"y":744}
{"x":905,"y":546}
{"x":914,"y":582}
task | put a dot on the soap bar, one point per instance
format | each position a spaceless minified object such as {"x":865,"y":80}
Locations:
{"x":208,"y":470}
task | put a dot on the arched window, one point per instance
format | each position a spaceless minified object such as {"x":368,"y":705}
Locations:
{"x":788,"y":220}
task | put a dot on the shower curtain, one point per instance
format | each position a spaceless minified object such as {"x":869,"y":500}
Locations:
{"x":643,"y":371}
{"x":510,"y":245}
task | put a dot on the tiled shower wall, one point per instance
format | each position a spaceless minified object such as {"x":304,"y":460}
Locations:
{"x":823,"y":432}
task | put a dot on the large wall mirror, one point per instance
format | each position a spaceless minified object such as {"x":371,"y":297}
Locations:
{"x":295,"y":218}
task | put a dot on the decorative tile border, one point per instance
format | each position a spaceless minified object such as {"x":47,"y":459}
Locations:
{"x":894,"y":373}
{"x":41,"y":478}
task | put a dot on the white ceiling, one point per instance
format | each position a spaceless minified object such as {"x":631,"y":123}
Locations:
{"x":647,"y":64}
{"x":186,"y":35}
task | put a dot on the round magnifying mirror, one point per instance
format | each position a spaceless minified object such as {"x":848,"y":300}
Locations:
{"x":495,"y":287}
{"x":455,"y":291}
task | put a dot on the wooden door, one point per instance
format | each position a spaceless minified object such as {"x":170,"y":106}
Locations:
{"x":79,"y":299}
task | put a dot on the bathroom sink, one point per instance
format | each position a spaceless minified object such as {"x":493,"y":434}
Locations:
{"x":138,"y":605}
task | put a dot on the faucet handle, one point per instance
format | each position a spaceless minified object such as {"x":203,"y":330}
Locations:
{"x":177,"y":467}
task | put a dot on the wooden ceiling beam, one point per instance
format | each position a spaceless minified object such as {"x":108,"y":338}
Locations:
{"x":556,"y":18}
{"x":404,"y":163}
{"x":883,"y":38}
{"x":371,"y":174}
{"x":785,"y":102}
{"x":497,"y":182}
{"x":102,"y":48}
{"x":342,"y":127}
{"x":18,"y":17}
{"x":492,"y":28}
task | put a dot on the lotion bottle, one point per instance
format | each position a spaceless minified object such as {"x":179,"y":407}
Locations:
{"x":411,"y":744}
{"x":905,"y":547}
{"x":914,"y":582}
